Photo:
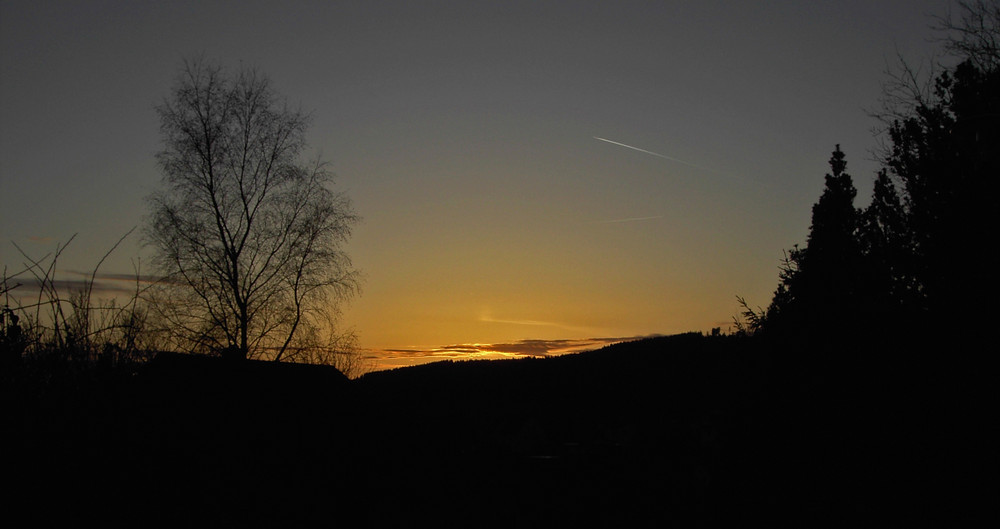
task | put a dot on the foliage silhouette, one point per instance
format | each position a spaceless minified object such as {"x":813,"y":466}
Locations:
{"x":906,"y":264}
{"x":946,"y":157}
{"x":889,"y":286}
{"x":879,"y":309}
{"x":819,"y":289}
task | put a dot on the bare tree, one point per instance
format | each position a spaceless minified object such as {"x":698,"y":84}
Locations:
{"x":968,"y":31}
{"x":247,"y":237}
{"x":973,"y":33}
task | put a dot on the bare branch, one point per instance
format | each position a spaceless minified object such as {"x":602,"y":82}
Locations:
{"x":249,"y":236}
{"x":973,"y":34}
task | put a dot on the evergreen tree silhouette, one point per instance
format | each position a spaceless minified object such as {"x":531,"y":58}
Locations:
{"x":908,"y":262}
{"x":889,"y":289}
{"x":947,"y":155}
{"x":819,"y":283}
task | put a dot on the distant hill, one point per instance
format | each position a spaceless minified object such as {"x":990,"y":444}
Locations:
{"x":687,"y":428}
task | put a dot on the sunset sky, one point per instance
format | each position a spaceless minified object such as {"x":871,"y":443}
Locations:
{"x":539,"y":176}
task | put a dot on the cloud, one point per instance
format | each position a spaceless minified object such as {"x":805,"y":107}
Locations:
{"x":129,"y":278}
{"x":472,"y":351}
{"x":31,"y":287}
{"x":487,"y":318}
{"x":630,"y":219}
{"x":105,"y":284}
{"x":537,"y":323}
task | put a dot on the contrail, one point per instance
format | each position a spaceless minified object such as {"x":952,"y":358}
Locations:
{"x":671,"y":158}
{"x":665,"y":157}
{"x":631,"y":219}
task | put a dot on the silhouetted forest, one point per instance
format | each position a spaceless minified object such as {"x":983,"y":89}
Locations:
{"x":916,"y":260}
{"x":861,"y":395}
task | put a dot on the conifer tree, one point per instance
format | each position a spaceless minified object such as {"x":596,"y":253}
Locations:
{"x":885,"y":241}
{"x":944,"y":151}
{"x":921,"y":256}
{"x":946,"y":155}
{"x":819,"y":283}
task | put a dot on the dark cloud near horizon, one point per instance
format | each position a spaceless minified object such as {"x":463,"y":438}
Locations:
{"x":142,"y":278}
{"x":31,"y":287}
{"x":535,"y":347}
{"x":517,"y":349}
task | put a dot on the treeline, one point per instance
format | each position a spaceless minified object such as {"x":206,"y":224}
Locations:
{"x":917,"y":259}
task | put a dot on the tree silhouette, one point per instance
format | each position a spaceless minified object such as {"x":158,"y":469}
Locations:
{"x":918,"y":259}
{"x":975,"y":34}
{"x":247,"y":236}
{"x":942,"y":132}
{"x":946,"y":156}
{"x":818,"y":288}
{"x":890,"y":291}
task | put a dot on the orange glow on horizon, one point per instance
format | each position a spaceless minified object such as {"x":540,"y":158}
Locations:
{"x":381,"y":359}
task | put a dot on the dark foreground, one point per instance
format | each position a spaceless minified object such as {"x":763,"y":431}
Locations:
{"x":688,"y":429}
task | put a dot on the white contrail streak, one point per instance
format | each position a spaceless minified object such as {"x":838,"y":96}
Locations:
{"x":671,"y":158}
{"x":665,"y":157}
{"x":631,"y":219}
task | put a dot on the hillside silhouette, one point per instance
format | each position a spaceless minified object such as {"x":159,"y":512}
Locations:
{"x":685,"y":428}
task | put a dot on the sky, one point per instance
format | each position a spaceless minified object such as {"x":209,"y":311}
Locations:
{"x":533,"y":177}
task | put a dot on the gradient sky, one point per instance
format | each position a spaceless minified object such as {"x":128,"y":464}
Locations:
{"x":465,"y":133}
